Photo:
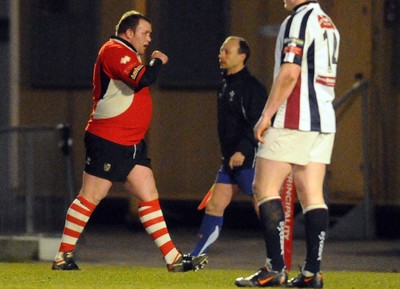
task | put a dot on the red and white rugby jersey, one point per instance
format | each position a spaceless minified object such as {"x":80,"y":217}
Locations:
{"x":120,"y":114}
{"x":309,"y":38}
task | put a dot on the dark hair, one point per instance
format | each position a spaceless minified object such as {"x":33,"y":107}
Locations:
{"x":129,"y":20}
{"x":244,"y":48}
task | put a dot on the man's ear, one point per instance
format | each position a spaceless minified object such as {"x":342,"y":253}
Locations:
{"x":243,"y":56}
{"x":129,"y":33}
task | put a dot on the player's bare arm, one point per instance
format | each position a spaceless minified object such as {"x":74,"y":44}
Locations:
{"x":281,"y":89}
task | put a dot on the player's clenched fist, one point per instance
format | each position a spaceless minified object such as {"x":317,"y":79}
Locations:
{"x":159,"y":54}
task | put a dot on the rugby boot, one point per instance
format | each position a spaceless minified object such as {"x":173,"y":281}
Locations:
{"x":302,"y":281}
{"x":66,"y":263}
{"x":264,"y":277}
{"x":187,"y":262}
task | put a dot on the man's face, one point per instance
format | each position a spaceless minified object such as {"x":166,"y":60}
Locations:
{"x":229,"y":57}
{"x":141,"y":36}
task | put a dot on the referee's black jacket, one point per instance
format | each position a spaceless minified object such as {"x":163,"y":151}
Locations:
{"x":241,"y":99}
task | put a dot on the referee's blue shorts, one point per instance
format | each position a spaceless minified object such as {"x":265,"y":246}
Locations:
{"x":242,"y":177}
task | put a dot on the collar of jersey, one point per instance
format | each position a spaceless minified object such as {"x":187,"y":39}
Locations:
{"x":239,"y":74}
{"x":301,"y":5}
{"x":123,"y":41}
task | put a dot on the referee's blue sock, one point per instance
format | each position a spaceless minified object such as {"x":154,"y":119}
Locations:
{"x":208,"y":233}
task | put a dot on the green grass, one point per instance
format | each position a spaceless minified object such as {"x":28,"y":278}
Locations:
{"x":39,"y":275}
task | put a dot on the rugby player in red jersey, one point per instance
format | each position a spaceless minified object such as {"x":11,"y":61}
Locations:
{"x":114,"y":142}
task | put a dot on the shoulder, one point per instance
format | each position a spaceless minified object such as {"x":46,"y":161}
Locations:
{"x":254,"y":82}
{"x":304,"y":15}
{"x":116,"y":51}
{"x":251,"y":87}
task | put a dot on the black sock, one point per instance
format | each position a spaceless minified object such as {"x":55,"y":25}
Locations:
{"x":316,"y":226}
{"x":272,"y":224}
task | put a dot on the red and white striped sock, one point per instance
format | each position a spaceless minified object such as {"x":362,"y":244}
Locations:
{"x":152,"y":218}
{"x":78,"y":215}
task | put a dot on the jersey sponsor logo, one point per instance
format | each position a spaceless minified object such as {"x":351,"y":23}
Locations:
{"x":125,"y":59}
{"x":325,"y":22}
{"x":293,"y":49}
{"x":293,"y":45}
{"x":135,"y":72}
{"x":326,"y":80}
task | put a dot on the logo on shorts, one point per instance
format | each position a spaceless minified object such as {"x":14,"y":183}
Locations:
{"x":107,"y":167}
{"x":88,"y":161}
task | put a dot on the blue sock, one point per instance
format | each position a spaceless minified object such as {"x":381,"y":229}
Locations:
{"x":208,"y":233}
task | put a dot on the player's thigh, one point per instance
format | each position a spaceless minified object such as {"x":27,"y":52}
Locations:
{"x":94,"y":189}
{"x":269,"y":176}
{"x":220,"y":198}
{"x":309,"y":182}
{"x":141,"y":184}
{"x":309,"y":179}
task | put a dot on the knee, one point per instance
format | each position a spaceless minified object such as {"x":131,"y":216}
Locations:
{"x":92,"y":197}
{"x":256,"y":189}
{"x":215,"y":208}
{"x":262,"y":193}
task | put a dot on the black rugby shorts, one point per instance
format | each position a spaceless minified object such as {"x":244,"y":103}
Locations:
{"x":112,"y":161}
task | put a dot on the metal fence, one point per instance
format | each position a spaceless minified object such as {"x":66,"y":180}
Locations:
{"x":36,"y":178}
{"x":360,"y":222}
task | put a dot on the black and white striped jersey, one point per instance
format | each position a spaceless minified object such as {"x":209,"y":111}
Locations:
{"x":309,"y":38}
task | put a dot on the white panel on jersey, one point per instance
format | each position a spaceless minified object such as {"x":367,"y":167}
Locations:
{"x":116,"y":100}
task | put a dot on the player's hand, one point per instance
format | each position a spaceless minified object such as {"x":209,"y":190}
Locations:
{"x":261,"y":127}
{"x":236,"y":160}
{"x":160,"y":55}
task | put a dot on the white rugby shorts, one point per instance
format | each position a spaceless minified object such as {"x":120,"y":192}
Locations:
{"x":296,"y":147}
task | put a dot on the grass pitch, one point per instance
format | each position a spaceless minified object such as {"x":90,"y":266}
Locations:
{"x":39,"y":275}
